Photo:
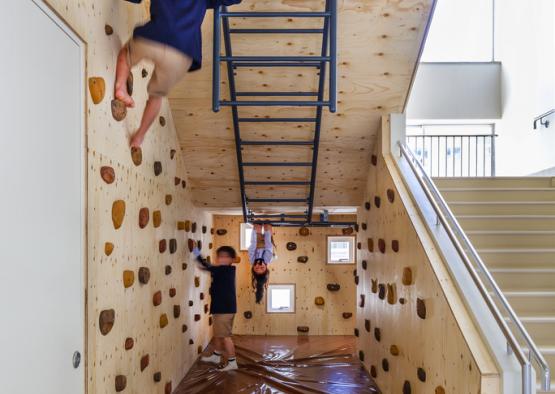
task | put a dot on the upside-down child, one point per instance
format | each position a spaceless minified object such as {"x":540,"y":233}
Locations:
{"x":261,"y":253}
{"x":171,"y":40}
{"x":222,"y":307}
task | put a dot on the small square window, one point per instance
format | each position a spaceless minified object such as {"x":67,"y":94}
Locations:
{"x":246,"y":234}
{"x":280,"y":299}
{"x":341,"y":250}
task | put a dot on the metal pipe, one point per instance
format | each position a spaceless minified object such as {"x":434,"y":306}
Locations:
{"x":267,"y":200}
{"x":277,"y":164}
{"x":277,"y":183}
{"x":299,"y":223}
{"x":299,"y":143}
{"x":235,"y":103}
{"x":278,"y":120}
{"x":333,"y":55}
{"x":277,"y":94}
{"x":277,"y":64}
{"x":276,"y":31}
{"x":541,"y":119}
{"x":275,"y":14}
{"x":275,"y":59}
{"x":216,"y":61}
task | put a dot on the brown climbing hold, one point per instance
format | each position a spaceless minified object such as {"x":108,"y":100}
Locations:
{"x":169,"y":199}
{"x":390,"y":195}
{"x":367,"y":325}
{"x":197,"y":317}
{"x":162,"y":121}
{"x":156,"y":219}
{"x":210,"y":245}
{"x":168,"y":269}
{"x":157,"y":376}
{"x":406,"y":387}
{"x":128,"y":278}
{"x":381,"y":245}
{"x":248,"y":315}
{"x":302,"y":259}
{"x":359,"y":245}
{"x":168,"y":388}
{"x":377,"y":201}
{"x":395,"y":245}
{"x":291,"y":246}
{"x":109,"y":30}
{"x":108,"y":248}
{"x":121,"y":383}
{"x":377,"y":334}
{"x":173,"y":245}
{"x":194,"y":227}
{"x":157,"y":298}
{"x":106,"y":321}
{"x":184,"y":266}
{"x":362,"y":300}
{"x":347,"y":231}
{"x":201,"y":296}
{"x":394,"y":350}
{"x":303,"y":329}
{"x":373,"y":371}
{"x":157,"y":168}
{"x":197,"y":281}
{"x":356,"y":227}
{"x":129,"y":84}
{"x":421,"y":373}
{"x":119,"y":110}
{"x":381,"y":291}
{"x":440,"y":390}
{"x":364,"y":264}
{"x":107,"y":174}
{"x":183,"y":184}
{"x":333,"y":286}
{"x":190,"y":244}
{"x":184,"y":328}
{"x":371,"y":245}
{"x":172,"y":153}
{"x":385,"y":365}
{"x":367,"y":205}
{"x":176,"y":311}
{"x":364,"y":226}
{"x":221,"y":231}
{"x":421,"y":308}
{"x":204,"y":229}
{"x":206,"y":308}
{"x":173,"y":292}
{"x":144,"y":275}
{"x":145,"y":360}
{"x":129,"y":343}
{"x":144,"y":217}
{"x":191,"y":302}
{"x":304,"y":231}
{"x":391,"y":294}
{"x":319,"y":301}
{"x":407,"y":276}
{"x":118,"y":213}
{"x":374,"y":286}
{"x":374,"y":160}
{"x":347,"y":315}
{"x":97,"y":89}
{"x":144,"y":73}
{"x":357,"y":279}
{"x":176,"y":181}
{"x":357,"y":334}
{"x":191,"y":342}
{"x":136,"y":155}
{"x":361,"y":355}
{"x":162,"y":246}
{"x":163,"y":320}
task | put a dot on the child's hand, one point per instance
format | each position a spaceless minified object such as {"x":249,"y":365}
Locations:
{"x":196,"y":252}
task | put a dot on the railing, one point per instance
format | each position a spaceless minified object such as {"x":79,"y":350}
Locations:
{"x":465,"y":248}
{"x":542,"y":119}
{"x":455,"y":155}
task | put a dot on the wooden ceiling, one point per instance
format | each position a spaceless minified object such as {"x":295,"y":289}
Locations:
{"x":378,"y":45}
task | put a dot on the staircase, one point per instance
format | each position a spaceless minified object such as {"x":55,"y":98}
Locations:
{"x":511,"y":222}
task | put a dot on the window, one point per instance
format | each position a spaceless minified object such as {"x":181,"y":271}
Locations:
{"x":246,"y":233}
{"x":341,"y":250}
{"x":280,"y":299}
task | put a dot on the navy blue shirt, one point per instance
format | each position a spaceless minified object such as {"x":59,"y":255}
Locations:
{"x":222,"y":289}
{"x":177,"y":23}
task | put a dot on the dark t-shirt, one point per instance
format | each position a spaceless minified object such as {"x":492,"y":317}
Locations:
{"x":177,"y":23}
{"x":222,"y":289}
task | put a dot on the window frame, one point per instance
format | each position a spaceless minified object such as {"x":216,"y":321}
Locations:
{"x":243,"y":238}
{"x":353,"y":240}
{"x":293,"y":298}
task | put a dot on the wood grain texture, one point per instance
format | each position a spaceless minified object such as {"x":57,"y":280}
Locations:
{"x":310,"y":280}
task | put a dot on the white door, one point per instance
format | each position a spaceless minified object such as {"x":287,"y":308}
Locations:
{"x":41,"y":202}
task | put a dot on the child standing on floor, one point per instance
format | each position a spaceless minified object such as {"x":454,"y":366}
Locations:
{"x":171,"y":40}
{"x":261,"y":253}
{"x":223,"y":306}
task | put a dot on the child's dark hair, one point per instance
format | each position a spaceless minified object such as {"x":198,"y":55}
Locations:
{"x":259,"y":283}
{"x":227,"y":250}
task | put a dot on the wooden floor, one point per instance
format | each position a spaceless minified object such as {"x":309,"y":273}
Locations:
{"x":285,"y":364}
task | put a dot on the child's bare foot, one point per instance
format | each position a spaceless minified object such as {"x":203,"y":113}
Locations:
{"x":122,"y":95}
{"x":137,"y":140}
{"x":122,"y":74}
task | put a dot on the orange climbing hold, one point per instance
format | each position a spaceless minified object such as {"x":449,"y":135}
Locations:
{"x":97,"y":89}
{"x":118,"y":213}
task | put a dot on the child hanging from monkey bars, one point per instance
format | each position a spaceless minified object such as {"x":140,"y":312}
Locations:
{"x":261,"y":253}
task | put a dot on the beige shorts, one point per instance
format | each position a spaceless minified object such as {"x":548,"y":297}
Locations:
{"x":223,"y":325}
{"x":170,"y":65}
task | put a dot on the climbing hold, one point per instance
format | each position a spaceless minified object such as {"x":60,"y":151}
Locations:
{"x":206,"y":308}
{"x":210,"y":245}
{"x":347,"y":315}
{"x":406,"y":387}
{"x":374,"y":286}
{"x":221,"y":231}
{"x":367,"y":205}
{"x":168,"y":388}
{"x":144,"y":73}
{"x":121,"y":383}
{"x":390,"y":195}
{"x":144,"y":275}
{"x":191,"y":342}
{"x":373,"y":371}
{"x":106,"y":321}
{"x":129,"y":84}
{"x":145,"y":360}
{"x":187,"y":225}
{"x":173,"y":245}
{"x":162,"y":121}
{"x":184,"y":328}
{"x":440,"y":390}
{"x":395,"y":245}
{"x":197,"y":317}
{"x":364,"y":264}
{"x":168,"y":269}
{"x":364,"y":226}
{"x":367,"y":325}
{"x":357,"y":279}
{"x":304,"y":231}
{"x":347,"y":231}
{"x":157,"y":298}
{"x":176,"y":181}
{"x":302,"y":259}
{"x":128,"y":278}
{"x":385,"y":365}
{"x":197,"y":281}
{"x":118,"y":213}
{"x":190,"y":244}
{"x":381,"y":245}
{"x":356,"y":332}
{"x":136,"y":155}
{"x":381,"y":291}
{"x":181,"y":225}
{"x":97,"y":89}
{"x":394,"y":350}
{"x":201,"y":296}
{"x":108,"y":174}
{"x":108,"y":248}
{"x":421,"y":308}
{"x":374,"y":160}
{"x":176,"y":311}
{"x":204,"y":229}
{"x":319,"y":301}
{"x":169,"y":199}
{"x":157,"y":376}
{"x":109,"y":30}
{"x":333,"y":286}
{"x":184,"y":266}
{"x":407,"y":276}
{"x":359,"y":245}
{"x":119,"y":110}
{"x":377,"y":334}
{"x":183,"y":184}
{"x":371,"y":245}
{"x":163,"y":320}
{"x":129,"y":343}
{"x":248,"y":315}
{"x":362,"y":300}
{"x":421,"y":373}
{"x":194,"y":227}
{"x":191,"y":303}
{"x":391,"y":294}
{"x":356,"y":227}
{"x":157,"y":168}
{"x":172,"y":153}
{"x":156,"y":219}
{"x":144,"y":217}
{"x":162,"y":246}
{"x":291,"y":246}
{"x":377,"y":201}
{"x":172,"y":292}
{"x":361,"y":355}
{"x":303,"y":329}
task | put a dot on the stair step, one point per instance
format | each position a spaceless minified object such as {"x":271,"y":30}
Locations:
{"x":530,"y":303}
{"x":498,"y":194}
{"x":522,"y":279}
{"x":518,"y":257}
{"x":514,"y":239}
{"x":490,"y":182}
{"x":507,"y":222}
{"x":540,"y":328}
{"x":503,"y":207}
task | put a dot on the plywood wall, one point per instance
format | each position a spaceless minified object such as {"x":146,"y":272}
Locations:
{"x":137,"y":351}
{"x":413,"y":328}
{"x":310,"y":278}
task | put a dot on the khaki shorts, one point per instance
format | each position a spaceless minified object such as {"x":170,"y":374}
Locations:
{"x":223,"y":325}
{"x":170,"y":65}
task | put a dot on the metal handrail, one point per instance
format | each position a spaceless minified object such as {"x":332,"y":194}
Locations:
{"x":453,"y":229}
{"x":541,"y":118}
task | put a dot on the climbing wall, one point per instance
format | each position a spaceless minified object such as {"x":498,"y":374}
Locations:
{"x":146,"y":308}
{"x":414,"y":334}
{"x":305,"y":266}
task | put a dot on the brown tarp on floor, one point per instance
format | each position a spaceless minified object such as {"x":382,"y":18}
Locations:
{"x":285,"y":364}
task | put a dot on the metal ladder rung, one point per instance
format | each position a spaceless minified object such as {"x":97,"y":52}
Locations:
{"x":275,"y":14}
{"x":277,"y":64}
{"x":276,"y":31}
{"x":268,"y":200}
{"x":276,"y":215}
{"x":261,"y":103}
{"x":277,"y":143}
{"x":277,"y":94}
{"x":277,"y":183}
{"x":277,"y":164}
{"x":277,"y":120}
{"x":293,"y":59}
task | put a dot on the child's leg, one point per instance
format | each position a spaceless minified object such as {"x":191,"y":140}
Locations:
{"x":123,"y":68}
{"x":229,"y":348}
{"x":152,"y":109}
